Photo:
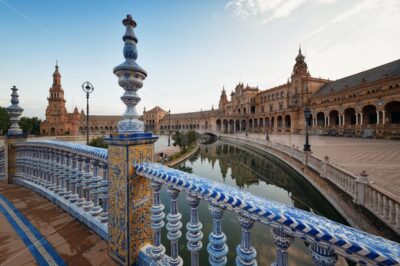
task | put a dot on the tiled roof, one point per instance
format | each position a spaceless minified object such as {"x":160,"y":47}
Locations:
{"x":371,"y":75}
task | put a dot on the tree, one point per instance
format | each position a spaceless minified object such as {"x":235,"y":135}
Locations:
{"x":4,"y":121}
{"x":30,"y":125}
{"x":98,"y":142}
{"x":184,"y":140}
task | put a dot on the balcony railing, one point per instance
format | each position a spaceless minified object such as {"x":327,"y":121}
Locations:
{"x":75,"y":178}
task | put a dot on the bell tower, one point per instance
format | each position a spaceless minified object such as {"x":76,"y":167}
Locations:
{"x":56,"y":113}
{"x":223,"y":100}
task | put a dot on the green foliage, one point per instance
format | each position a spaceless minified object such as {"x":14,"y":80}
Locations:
{"x":30,"y":125}
{"x":4,"y":121}
{"x":98,"y":142}
{"x":184,"y":140}
{"x":185,"y":168}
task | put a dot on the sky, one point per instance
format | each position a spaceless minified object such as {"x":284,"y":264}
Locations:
{"x":190,"y":49}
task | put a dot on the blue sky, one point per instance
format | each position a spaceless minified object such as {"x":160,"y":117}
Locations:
{"x":190,"y":49}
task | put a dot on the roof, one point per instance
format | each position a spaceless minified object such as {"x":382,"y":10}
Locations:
{"x":156,"y":109}
{"x":371,"y":75}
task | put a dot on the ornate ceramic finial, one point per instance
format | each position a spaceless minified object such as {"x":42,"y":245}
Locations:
{"x":14,"y":111}
{"x":130,"y":78}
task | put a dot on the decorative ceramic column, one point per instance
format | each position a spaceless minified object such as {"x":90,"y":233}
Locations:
{"x":322,"y":256}
{"x":194,"y":234}
{"x":157,"y":219}
{"x":383,"y":117}
{"x":174,"y":226}
{"x":129,"y":194}
{"x":14,"y":135}
{"x":282,"y":242}
{"x":246,"y":253}
{"x":217,"y":248}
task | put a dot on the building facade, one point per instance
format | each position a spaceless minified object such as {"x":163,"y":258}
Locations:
{"x":366,"y":104}
{"x":59,"y":122}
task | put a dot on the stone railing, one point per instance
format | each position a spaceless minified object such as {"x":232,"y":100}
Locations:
{"x":73,"y":176}
{"x":326,"y":240}
{"x":2,"y":163}
{"x":384,"y":205}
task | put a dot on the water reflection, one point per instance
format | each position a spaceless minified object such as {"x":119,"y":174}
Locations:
{"x":261,"y":175}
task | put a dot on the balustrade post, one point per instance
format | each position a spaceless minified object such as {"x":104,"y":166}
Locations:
{"x":324,"y":168}
{"x":77,"y":179}
{"x":70,"y":175}
{"x":361,"y":188}
{"x":217,"y":248}
{"x":173,"y":226}
{"x":282,"y":242}
{"x":87,"y":181}
{"x":95,"y":189}
{"x":157,"y":219}
{"x":246,"y":253}
{"x":322,"y":256}
{"x":194,"y":234}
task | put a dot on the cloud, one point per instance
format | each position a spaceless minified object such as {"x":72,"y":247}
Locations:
{"x":384,"y":10}
{"x":268,"y":9}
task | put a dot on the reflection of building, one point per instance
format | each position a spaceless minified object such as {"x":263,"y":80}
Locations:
{"x":364,"y":104}
{"x":59,"y":122}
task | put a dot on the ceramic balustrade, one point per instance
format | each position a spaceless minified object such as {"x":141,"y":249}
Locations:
{"x":69,"y":175}
{"x":2,"y":163}
{"x":326,"y":240}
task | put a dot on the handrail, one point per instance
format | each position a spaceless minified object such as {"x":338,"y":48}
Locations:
{"x":92,"y":152}
{"x":316,"y":229}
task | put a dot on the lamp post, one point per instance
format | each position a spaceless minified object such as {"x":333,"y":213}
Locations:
{"x":169,"y":127}
{"x":307,"y":113}
{"x":88,"y":88}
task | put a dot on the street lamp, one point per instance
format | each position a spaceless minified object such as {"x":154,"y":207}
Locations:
{"x":169,"y":127}
{"x":307,"y":114}
{"x":88,"y":88}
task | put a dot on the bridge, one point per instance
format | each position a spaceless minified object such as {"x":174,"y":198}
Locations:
{"x":116,"y":193}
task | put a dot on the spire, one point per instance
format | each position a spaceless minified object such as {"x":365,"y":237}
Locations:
{"x":130,"y":76}
{"x":300,"y":67}
{"x":56,"y":76}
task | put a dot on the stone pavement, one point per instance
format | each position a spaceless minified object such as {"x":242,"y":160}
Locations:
{"x":71,"y":240}
{"x":378,"y":157}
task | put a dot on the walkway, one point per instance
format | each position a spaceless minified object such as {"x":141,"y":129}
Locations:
{"x":64,"y":238}
{"x":379,"y":158}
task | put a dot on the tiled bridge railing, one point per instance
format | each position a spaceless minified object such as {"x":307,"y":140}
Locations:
{"x":75,"y":178}
{"x":326,"y":239}
{"x":383,"y":204}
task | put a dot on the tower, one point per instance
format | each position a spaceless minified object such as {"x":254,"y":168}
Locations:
{"x":58,"y":121}
{"x":223,"y":100}
{"x":300,"y":67}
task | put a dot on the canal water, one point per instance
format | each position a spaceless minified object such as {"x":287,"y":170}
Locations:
{"x":262,"y":175}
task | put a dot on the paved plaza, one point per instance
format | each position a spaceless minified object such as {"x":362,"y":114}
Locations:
{"x":65,"y":237}
{"x":380,"y":158}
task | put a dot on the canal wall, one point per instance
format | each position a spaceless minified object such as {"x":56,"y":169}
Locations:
{"x":356,"y":215}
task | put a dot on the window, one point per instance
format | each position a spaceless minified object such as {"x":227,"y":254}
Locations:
{"x":271,"y":107}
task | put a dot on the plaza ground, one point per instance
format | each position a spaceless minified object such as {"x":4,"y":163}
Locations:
{"x":380,"y":158}
{"x":72,"y":240}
